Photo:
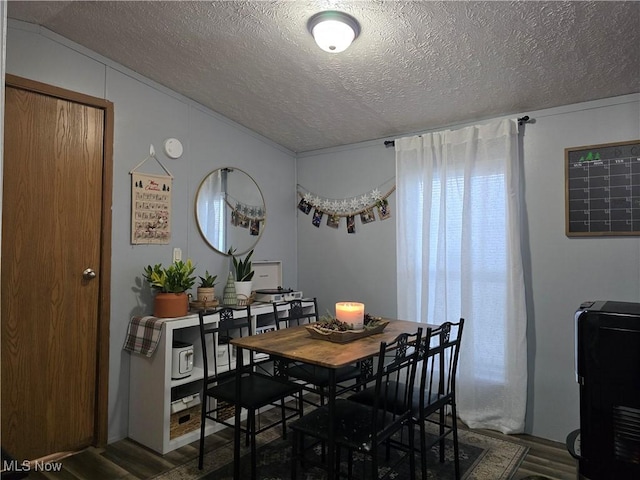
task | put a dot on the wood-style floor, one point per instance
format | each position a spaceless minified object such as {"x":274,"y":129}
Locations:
{"x":545,"y":458}
{"x":128,"y":460}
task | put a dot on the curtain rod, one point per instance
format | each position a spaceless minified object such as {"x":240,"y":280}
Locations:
{"x":521,"y":121}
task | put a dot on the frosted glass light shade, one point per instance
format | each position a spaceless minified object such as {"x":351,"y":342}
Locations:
{"x":333,"y":31}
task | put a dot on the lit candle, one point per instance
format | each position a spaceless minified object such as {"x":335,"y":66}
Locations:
{"x":351,"y":313}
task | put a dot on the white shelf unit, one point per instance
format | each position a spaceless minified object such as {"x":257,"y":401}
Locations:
{"x":151,"y":386}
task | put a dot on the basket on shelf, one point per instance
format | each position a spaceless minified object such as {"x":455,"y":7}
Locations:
{"x":243,"y":300}
{"x":226,"y":410}
{"x":184,"y":422}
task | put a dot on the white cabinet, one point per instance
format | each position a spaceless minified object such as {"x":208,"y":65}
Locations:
{"x":151,"y":389}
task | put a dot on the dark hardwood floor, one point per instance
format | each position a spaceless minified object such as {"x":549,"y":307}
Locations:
{"x":545,"y":458}
{"x":128,"y":460}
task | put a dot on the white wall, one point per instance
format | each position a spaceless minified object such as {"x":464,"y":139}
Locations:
{"x":146,"y":113}
{"x":561,"y":272}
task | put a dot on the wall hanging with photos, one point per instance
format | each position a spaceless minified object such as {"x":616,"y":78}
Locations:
{"x":364,"y":206}
{"x":603,"y":189}
{"x":245,"y":216}
{"x":150,"y":205}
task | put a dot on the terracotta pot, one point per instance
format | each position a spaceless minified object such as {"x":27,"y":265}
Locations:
{"x":168,"y":305}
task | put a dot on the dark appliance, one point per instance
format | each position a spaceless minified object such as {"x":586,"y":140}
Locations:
{"x":608,"y":373}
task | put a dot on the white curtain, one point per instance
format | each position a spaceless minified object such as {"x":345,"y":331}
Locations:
{"x":459,"y":255}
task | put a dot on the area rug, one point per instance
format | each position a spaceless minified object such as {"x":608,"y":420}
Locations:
{"x":481,"y":458}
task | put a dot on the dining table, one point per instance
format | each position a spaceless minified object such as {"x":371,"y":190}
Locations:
{"x":298,"y":345}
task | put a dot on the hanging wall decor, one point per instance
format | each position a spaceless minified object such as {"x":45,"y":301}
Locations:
{"x":245,"y":216}
{"x":150,"y":205}
{"x":363,"y":206}
{"x":601,"y":190}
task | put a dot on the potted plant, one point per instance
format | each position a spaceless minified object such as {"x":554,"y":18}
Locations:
{"x":243,"y":271}
{"x":206,"y":290}
{"x":171,"y":283}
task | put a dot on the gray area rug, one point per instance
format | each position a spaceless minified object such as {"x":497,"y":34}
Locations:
{"x":481,"y":458}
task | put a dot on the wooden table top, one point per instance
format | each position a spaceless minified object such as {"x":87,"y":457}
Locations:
{"x":295,"y":343}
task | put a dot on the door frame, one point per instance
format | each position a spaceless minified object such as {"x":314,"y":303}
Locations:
{"x":100,"y":433}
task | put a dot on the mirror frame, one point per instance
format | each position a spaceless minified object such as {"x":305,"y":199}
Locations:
{"x":263,"y":222}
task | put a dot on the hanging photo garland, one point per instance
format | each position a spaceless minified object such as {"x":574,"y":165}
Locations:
{"x":245,"y":216}
{"x":363,"y":206}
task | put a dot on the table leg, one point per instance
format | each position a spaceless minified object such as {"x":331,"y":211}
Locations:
{"x":236,"y":433}
{"x":331,"y":444}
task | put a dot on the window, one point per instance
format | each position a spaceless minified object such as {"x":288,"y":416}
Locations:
{"x":458,"y":255}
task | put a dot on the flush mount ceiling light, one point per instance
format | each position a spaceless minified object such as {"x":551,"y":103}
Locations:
{"x":333,"y":31}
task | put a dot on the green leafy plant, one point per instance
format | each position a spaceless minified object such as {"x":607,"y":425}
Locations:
{"x":208,"y":281}
{"x":242,"y":268}
{"x":176,"y":278}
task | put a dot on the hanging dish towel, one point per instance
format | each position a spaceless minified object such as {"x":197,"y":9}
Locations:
{"x":144,"y":335}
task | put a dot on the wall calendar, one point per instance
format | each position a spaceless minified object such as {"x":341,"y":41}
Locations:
{"x":603,"y":190}
{"x":150,"y":208}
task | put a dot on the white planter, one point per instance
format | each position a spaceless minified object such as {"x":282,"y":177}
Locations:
{"x":243,"y":291}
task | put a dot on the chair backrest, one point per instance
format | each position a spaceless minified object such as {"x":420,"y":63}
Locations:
{"x":394,"y":381}
{"x":294,"y":313}
{"x":217,"y":328}
{"x":439,"y":356}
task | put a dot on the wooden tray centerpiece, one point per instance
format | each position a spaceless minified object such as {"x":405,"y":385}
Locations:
{"x":206,"y":305}
{"x":333,"y":330}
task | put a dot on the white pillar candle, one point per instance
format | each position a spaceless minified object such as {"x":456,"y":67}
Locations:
{"x":351,"y":313}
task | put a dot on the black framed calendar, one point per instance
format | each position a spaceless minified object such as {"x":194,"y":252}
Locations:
{"x":602,"y":195}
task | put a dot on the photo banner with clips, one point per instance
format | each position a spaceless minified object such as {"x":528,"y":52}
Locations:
{"x":602,"y":196}
{"x":362,"y":206}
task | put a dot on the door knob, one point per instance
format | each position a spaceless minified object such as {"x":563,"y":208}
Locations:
{"x":88,"y":274}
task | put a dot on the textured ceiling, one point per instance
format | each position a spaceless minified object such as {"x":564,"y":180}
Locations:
{"x":416,"y":65}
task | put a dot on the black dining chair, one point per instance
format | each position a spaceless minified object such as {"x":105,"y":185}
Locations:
{"x":437,"y":391}
{"x":257,"y":390}
{"x":434,"y":394}
{"x":363,"y":428}
{"x":314,"y":378}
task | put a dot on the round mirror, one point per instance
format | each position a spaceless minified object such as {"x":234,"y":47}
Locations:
{"x":230,"y":210}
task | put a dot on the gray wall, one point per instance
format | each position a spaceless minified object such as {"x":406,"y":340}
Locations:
{"x":333,"y":264}
{"x":146,"y":113}
{"x":560,"y":272}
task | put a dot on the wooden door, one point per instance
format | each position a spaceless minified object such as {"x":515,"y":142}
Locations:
{"x":54,"y":339}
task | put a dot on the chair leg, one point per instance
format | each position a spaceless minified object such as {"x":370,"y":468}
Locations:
{"x":412,"y":451}
{"x":374,"y":464}
{"x":442,"y":426}
{"x":456,"y":456}
{"x":300,"y":404}
{"x":250,"y":426}
{"x":254,"y":462}
{"x":294,"y":456}
{"x":423,"y":448}
{"x":203,"y":418}
{"x":283,"y":413}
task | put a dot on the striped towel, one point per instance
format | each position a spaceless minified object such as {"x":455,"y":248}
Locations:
{"x":144,"y":335}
